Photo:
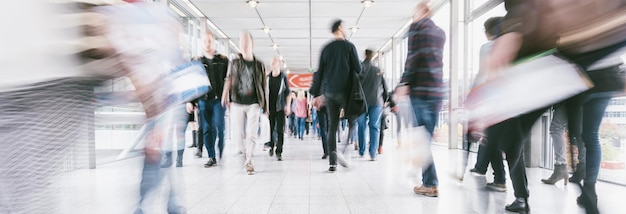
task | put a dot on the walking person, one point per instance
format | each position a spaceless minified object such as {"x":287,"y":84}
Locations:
{"x":301,"y":114}
{"x":244,"y":92}
{"x":489,"y":152}
{"x":211,"y":112}
{"x":422,"y":83}
{"x":526,"y":31}
{"x":372,"y":82}
{"x":278,"y":97}
{"x":337,"y":60}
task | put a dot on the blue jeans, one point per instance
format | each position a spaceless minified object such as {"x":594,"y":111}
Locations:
{"x":427,"y":115}
{"x":212,"y":123}
{"x":593,"y":108}
{"x":373,"y":115}
{"x":300,"y":126}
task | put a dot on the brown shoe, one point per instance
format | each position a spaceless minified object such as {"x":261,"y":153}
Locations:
{"x":427,"y":191}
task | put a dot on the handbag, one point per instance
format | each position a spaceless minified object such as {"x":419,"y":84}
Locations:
{"x":355,"y":103}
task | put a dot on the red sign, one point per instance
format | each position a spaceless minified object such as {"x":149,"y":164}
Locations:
{"x":300,"y":80}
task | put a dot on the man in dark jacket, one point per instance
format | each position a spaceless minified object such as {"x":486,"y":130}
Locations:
{"x":278,"y":98}
{"x":244,"y":92}
{"x":338,"y":59}
{"x":372,"y":82}
{"x":211,"y":111}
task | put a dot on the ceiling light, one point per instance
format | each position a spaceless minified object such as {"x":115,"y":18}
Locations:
{"x":275,"y":46}
{"x":281,"y":57}
{"x":284,"y":65}
{"x":367,"y":3}
{"x":252,"y":3}
{"x":288,"y":71}
{"x":266,"y":29}
{"x":354,"y":29}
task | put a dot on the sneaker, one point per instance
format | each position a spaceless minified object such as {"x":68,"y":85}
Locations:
{"x":271,"y":152}
{"x":374,"y":159}
{"x":496,"y":187}
{"x":210,"y":163}
{"x":332,"y":169}
{"x":426,"y":191}
{"x":198,"y":154}
{"x":476,"y":172}
{"x":325,"y":156}
{"x":249,"y":169}
{"x":279,"y":157}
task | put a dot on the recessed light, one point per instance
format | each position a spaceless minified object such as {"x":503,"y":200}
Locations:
{"x":354,"y":29}
{"x":252,"y":3}
{"x":367,"y":3}
{"x":284,"y":65}
{"x":266,"y":29}
{"x":281,"y":57}
{"x":275,"y":46}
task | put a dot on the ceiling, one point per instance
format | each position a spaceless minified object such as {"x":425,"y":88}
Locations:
{"x":300,"y":28}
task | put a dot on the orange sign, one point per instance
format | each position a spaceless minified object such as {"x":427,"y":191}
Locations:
{"x":300,"y":80}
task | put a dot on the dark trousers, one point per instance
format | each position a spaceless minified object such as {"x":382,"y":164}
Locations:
{"x":511,"y":135}
{"x":322,"y":116}
{"x":277,"y":127}
{"x":333,"y":107}
{"x":491,"y":153}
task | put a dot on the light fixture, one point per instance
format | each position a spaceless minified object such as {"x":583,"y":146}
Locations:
{"x":194,"y":8}
{"x":284,"y":65}
{"x":281,"y":58}
{"x":354,"y":29}
{"x":266,"y":29}
{"x":252,"y":3}
{"x":367,"y":3}
{"x":288,"y":71}
{"x":275,"y":46}
{"x":177,"y":11}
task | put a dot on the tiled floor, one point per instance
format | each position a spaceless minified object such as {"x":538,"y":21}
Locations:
{"x":301,"y":184}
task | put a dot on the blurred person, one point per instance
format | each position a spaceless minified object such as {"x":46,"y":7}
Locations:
{"x":372,"y":82}
{"x":314,"y":122}
{"x":292,"y":116}
{"x":384,"y":119}
{"x":558,"y":125}
{"x":278,"y":97}
{"x":56,"y":93}
{"x":244,"y":92}
{"x":526,"y":31}
{"x":422,"y":83}
{"x":211,"y":111}
{"x":193,"y":120}
{"x":337,"y":60}
{"x":489,"y":153}
{"x":179,"y":120}
{"x":301,"y":114}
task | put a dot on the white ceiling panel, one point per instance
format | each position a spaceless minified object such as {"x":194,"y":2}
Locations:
{"x":300,"y":36}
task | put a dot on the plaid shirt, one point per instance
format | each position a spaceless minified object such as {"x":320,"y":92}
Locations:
{"x":423,"y":71}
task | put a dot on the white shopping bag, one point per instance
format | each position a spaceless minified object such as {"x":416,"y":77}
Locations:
{"x":414,"y":141}
{"x":522,"y":88}
{"x":264,"y":126}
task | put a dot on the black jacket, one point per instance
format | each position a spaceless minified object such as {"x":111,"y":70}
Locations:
{"x":283,"y":92}
{"x":337,"y":60}
{"x":216,"y":71}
